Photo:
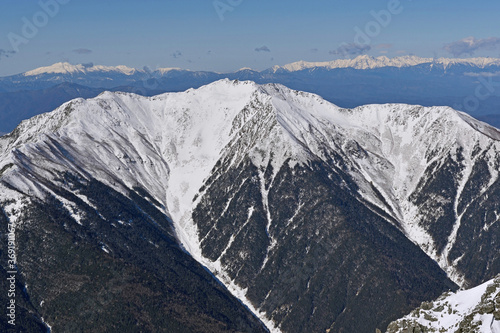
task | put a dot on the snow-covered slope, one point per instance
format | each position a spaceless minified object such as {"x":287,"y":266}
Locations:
{"x":476,"y":310}
{"x":368,"y":62}
{"x":171,"y":144}
{"x":166,"y":142}
{"x":405,"y":145}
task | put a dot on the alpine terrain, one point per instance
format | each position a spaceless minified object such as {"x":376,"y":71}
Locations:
{"x":470,"y":84}
{"x":316,"y":218}
{"x":474,"y":310}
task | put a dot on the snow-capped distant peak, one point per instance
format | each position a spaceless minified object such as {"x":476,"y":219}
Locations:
{"x":367,"y":62}
{"x":67,"y":68}
{"x":58,"y":68}
{"x":244,"y":69}
{"x":168,"y":69}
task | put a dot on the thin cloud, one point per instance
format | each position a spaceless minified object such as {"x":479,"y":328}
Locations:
{"x":470,"y":45}
{"x":483,"y":74}
{"x":314,"y":50}
{"x":384,"y":46}
{"x":82,"y":51}
{"x":262,"y":49}
{"x":351,"y":49}
{"x":177,"y":54}
{"x":6,"y":53}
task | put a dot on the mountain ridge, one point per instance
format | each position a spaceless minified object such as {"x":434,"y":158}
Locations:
{"x":360,"y":62}
{"x":368,"y":62}
{"x":455,"y":85}
{"x":291,"y":125}
{"x":224,"y":157}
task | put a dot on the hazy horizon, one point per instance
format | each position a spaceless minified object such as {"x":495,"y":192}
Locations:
{"x":225,"y":35}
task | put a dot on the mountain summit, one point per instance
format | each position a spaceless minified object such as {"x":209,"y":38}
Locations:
{"x":67,"y":68}
{"x":316,"y":217}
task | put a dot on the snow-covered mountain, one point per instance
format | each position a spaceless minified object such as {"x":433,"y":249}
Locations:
{"x":368,"y":62}
{"x":476,"y":310}
{"x":87,"y":230}
{"x":313,"y":215}
{"x":92,"y":76}
{"x":360,"y":62}
{"x":67,"y":68}
{"x":345,"y":82}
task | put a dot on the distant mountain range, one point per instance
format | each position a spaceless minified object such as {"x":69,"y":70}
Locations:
{"x":367,"y":62}
{"x":360,"y":62}
{"x":471,"y":85}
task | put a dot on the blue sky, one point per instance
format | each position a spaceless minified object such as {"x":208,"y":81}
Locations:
{"x":225,"y":35}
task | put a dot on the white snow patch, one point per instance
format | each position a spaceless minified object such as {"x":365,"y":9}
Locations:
{"x":456,"y":306}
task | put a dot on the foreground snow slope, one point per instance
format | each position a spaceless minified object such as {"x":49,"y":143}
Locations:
{"x":476,"y":310}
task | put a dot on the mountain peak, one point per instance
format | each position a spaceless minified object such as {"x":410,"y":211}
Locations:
{"x":168,"y":69}
{"x":60,"y":67}
{"x":70,"y":69}
{"x":230,"y":157}
{"x":245,"y":69}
